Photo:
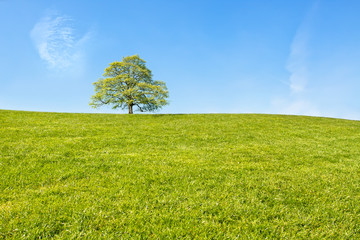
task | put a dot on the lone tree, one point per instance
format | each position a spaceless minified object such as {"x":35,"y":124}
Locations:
{"x":127,"y":84}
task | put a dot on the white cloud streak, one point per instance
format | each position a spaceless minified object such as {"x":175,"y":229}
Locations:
{"x":54,"y":39}
{"x":297,"y":64}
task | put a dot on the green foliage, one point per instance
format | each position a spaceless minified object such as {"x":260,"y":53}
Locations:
{"x":127,"y":84}
{"x":216,"y":176}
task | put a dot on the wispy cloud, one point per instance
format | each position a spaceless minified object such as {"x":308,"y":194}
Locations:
{"x":54,"y":38}
{"x":297,"y":101}
{"x":297,"y":63}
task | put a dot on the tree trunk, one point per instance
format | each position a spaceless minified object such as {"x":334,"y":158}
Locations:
{"x":130,"y":109}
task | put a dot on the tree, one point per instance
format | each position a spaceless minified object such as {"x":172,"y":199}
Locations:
{"x":129,"y":84}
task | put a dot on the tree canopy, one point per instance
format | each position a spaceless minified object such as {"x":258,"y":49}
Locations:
{"x":129,"y":84}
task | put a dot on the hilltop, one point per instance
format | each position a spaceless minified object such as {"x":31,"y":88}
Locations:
{"x":203,"y":176}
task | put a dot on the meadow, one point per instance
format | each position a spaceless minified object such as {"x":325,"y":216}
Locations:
{"x":200,"y":176}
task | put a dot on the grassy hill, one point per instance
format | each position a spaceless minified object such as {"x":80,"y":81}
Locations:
{"x":214,"y":176}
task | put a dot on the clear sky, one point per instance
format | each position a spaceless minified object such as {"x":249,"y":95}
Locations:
{"x":241,"y":56}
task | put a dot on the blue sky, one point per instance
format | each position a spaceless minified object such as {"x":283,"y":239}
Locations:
{"x":285,"y":57}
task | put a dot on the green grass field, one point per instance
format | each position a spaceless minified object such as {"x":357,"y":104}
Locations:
{"x":211,"y":176}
